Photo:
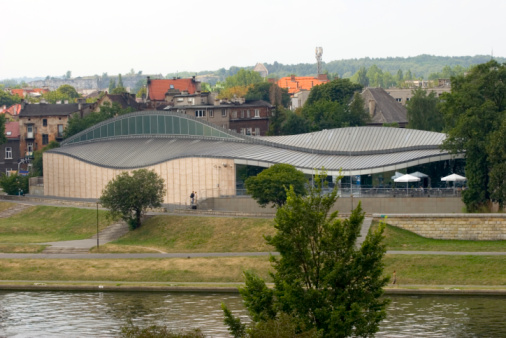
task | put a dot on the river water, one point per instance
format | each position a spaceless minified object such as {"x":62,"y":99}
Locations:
{"x":102,"y":314}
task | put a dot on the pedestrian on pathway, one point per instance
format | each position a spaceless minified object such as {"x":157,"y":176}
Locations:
{"x":192,"y":198}
{"x":394,"y":277}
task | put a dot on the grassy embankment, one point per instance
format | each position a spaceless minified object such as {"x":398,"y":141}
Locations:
{"x":38,"y":224}
{"x":215,"y":234}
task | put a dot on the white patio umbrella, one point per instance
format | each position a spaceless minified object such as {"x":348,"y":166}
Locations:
{"x":453,"y":178}
{"x":407,"y":178}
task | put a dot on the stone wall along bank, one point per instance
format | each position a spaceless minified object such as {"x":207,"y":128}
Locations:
{"x":485,"y":227}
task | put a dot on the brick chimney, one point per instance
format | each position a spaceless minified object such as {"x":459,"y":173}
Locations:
{"x":372,"y":107}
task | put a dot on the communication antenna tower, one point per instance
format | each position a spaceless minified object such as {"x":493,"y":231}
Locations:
{"x":319,"y":52}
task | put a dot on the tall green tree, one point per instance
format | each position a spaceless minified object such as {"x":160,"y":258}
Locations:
{"x":76,"y":124}
{"x":423,"y":112}
{"x":243,"y":78}
{"x":338,"y":90}
{"x":7,"y":99}
{"x":474,"y":114}
{"x":129,"y":196}
{"x":68,"y":90}
{"x":112,"y":85}
{"x":14,"y":184}
{"x":322,"y":281}
{"x":120,"y":81}
{"x":269,"y":92}
{"x":270,"y":185}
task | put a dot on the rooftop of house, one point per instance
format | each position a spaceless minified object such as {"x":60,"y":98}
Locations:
{"x":247,"y":104}
{"x":12,"y":130}
{"x":158,"y":88}
{"x":125,"y":100}
{"x":296,"y":83}
{"x":385,"y":108}
{"x":45,"y":109}
{"x":12,"y":110}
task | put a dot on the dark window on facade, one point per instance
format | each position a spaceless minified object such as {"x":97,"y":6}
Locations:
{"x":44,"y":122}
{"x":223,"y":112}
{"x":60,"y":130}
{"x":45,"y":138}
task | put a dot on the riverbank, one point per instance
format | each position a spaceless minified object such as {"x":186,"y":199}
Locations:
{"x":118,"y":286}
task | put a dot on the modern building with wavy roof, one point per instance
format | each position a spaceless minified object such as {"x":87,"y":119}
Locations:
{"x":194,"y":155}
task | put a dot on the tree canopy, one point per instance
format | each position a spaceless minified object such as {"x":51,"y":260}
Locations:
{"x":334,"y":105}
{"x":475,"y":114}
{"x":243,"y":78}
{"x":129,"y":196}
{"x":269,"y":92}
{"x":7,"y":99}
{"x":322,"y":281}
{"x":270,"y":185}
{"x":423,"y":113}
{"x":77,"y":124}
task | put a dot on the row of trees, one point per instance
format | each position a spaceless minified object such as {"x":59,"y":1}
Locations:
{"x":473,"y":115}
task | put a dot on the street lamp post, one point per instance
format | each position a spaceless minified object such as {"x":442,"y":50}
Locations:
{"x":97,"y":229}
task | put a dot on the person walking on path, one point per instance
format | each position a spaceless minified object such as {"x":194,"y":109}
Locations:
{"x":192,"y":198}
{"x":394,"y":277}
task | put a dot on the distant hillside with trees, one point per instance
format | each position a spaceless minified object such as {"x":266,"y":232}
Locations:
{"x":421,"y":66}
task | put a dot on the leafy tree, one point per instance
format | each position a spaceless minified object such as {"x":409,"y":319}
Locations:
{"x":68,"y":74}
{"x":119,"y":90}
{"x":338,"y":90}
{"x":269,"y":92}
{"x":474,"y":114}
{"x":269,"y":186}
{"x":325,"y":114}
{"x":130,"y":196}
{"x":68,"y":90}
{"x":294,"y":124}
{"x":37,"y":163}
{"x":141,"y":91}
{"x":14,"y":184}
{"x":120,"y":81}
{"x":112,"y":85}
{"x":233,"y":92}
{"x":243,"y":78}
{"x":423,"y":113}
{"x":322,"y":281}
{"x":76,"y":124}
{"x":497,"y":156}
{"x":7,"y":99}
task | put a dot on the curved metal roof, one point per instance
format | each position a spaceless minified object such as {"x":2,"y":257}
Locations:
{"x":357,"y":150}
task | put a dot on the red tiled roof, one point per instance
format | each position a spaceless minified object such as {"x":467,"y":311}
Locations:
{"x":13,"y":128}
{"x":297,"y":83}
{"x":14,"y":109}
{"x":18,"y":92}
{"x":158,"y":88}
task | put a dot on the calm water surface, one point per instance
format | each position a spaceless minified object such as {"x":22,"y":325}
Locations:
{"x":86,"y":314}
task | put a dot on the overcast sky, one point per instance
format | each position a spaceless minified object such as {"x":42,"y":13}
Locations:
{"x":50,"y":37}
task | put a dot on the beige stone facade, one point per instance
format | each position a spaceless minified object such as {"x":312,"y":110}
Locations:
{"x":485,"y":227}
{"x":210,"y":177}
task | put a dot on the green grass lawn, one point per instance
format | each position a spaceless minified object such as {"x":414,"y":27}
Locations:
{"x":400,"y":239}
{"x":46,"y":224}
{"x":447,"y":270}
{"x":410,"y":269}
{"x":196,"y":234}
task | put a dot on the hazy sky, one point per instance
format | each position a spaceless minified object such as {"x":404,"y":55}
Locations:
{"x":50,"y":37}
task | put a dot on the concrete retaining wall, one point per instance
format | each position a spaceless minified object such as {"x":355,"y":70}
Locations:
{"x":485,"y":227}
{"x":371,"y":205}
